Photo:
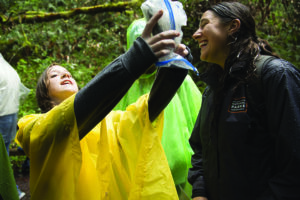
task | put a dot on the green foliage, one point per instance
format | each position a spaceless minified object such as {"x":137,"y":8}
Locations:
{"x":16,"y":162}
{"x":87,"y":43}
{"x":84,"y":44}
{"x":280,"y":27}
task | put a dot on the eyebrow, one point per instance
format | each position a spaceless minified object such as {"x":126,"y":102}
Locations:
{"x":57,"y":71}
{"x":52,"y":71}
{"x":203,"y":20}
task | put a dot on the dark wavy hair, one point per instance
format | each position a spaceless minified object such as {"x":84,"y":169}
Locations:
{"x":42,"y":94}
{"x":244,"y":44}
{"x":245,"y":47}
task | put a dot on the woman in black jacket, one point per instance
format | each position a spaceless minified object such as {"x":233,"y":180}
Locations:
{"x":246,"y":140}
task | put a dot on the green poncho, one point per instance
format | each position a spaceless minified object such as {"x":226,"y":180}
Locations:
{"x":8,"y":188}
{"x":180,"y":116}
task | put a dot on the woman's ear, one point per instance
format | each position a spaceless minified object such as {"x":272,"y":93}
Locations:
{"x":234,"y":26}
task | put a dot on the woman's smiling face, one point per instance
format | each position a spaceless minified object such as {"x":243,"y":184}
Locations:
{"x":212,"y":36}
{"x":61,"y":85}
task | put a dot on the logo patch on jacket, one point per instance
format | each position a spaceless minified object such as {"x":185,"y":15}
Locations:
{"x":238,"y":105}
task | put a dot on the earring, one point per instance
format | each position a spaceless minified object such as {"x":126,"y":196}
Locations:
{"x":239,"y":54}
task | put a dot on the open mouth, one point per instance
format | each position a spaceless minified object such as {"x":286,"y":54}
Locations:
{"x":66,"y":82}
{"x":203,"y":43}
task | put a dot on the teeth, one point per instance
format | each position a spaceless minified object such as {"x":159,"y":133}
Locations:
{"x":66,"y":82}
{"x":202,"y":43}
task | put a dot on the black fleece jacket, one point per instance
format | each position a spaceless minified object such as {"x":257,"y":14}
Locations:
{"x":253,"y":151}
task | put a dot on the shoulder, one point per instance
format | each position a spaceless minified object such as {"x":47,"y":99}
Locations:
{"x":24,"y":121}
{"x":279,"y":68}
{"x":25,"y":125}
{"x":278,"y":65}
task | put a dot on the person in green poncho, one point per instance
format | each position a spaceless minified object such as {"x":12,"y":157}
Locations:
{"x":180,"y":116}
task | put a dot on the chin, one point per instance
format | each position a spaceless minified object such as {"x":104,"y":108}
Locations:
{"x":69,"y":93}
{"x":202,"y":58}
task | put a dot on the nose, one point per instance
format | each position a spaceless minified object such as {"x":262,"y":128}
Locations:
{"x":197,"y":34}
{"x":66,"y":76}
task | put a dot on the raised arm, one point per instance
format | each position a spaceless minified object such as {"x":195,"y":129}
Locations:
{"x":166,"y":84}
{"x":99,"y":96}
{"x":168,"y":79}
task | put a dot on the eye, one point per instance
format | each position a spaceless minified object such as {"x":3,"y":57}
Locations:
{"x":203,"y":24}
{"x":53,"y":76}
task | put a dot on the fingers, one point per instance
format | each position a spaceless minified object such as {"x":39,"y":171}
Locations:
{"x":150,"y":24}
{"x":146,"y":35}
{"x":181,"y":50}
{"x":162,"y":43}
{"x":163,"y":47}
{"x":170,"y":34}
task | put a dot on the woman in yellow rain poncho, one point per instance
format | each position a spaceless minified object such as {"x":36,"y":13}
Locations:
{"x":73,"y":156}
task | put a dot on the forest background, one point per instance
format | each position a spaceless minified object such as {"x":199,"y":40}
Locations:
{"x":86,"y":35}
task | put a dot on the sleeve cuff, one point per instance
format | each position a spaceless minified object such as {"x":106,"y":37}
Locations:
{"x":138,"y":58}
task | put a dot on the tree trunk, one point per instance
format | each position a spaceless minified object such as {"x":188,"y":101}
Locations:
{"x":36,"y":17}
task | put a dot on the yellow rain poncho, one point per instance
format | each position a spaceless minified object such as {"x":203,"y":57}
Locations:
{"x":121,"y":158}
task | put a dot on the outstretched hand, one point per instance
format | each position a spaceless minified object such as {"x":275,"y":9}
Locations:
{"x":162,"y":43}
